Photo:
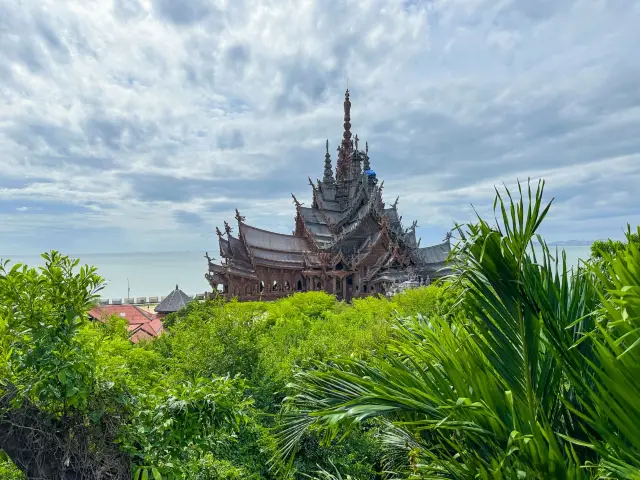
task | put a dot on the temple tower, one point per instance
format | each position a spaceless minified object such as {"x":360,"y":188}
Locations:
{"x":346,"y":147}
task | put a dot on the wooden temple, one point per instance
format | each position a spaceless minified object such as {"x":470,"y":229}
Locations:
{"x":347,"y":243}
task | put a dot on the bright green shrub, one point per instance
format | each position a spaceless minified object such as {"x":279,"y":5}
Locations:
{"x":8,"y":470}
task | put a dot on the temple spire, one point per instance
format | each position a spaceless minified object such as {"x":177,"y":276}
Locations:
{"x":365,"y":163}
{"x":347,"y":146}
{"x":328,"y":171}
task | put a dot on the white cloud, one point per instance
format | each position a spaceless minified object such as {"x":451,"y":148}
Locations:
{"x":143,"y":124}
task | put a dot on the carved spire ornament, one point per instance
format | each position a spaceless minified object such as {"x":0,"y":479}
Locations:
{"x":239,"y":217}
{"x":219,"y":232}
{"x":227,"y":228}
{"x":347,"y":147}
{"x":328,"y":171}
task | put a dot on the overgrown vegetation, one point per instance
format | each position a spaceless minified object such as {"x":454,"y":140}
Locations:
{"x":535,"y":378}
{"x":513,"y":369}
{"x":78,"y":400}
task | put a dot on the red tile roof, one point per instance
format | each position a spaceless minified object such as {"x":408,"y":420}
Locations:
{"x":142,"y":324}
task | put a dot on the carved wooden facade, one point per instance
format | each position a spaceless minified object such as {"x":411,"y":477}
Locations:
{"x":347,"y":243}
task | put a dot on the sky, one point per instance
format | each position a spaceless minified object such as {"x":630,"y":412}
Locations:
{"x":140,"y":125}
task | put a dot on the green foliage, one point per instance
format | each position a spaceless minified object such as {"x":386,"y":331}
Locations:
{"x":601,"y":249}
{"x":41,"y":314}
{"x":199,"y":401}
{"x":178,"y":432}
{"x":265,"y":343}
{"x":8,"y":471}
{"x":534,"y":377}
{"x":517,"y":369}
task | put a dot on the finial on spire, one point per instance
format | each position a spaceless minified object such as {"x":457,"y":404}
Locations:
{"x":295,"y":200}
{"x":239,"y":217}
{"x":395,"y":204}
{"x":356,"y":141}
{"x":227,"y":228}
{"x":218,"y":232}
{"x":327,"y":147}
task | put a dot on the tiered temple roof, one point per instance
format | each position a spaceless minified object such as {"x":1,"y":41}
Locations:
{"x":348,"y":242}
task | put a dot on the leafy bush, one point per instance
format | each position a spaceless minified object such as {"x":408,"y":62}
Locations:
{"x":8,"y":470}
{"x":533,"y":378}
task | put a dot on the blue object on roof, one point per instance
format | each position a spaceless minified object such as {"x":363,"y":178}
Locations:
{"x":370,"y":173}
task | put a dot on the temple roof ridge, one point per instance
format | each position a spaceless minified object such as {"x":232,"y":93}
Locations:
{"x":244,"y":224}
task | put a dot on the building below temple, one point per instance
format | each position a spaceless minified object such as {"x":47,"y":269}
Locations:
{"x":347,"y":243}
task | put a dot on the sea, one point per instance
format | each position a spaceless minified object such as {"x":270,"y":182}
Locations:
{"x":157,"y":274}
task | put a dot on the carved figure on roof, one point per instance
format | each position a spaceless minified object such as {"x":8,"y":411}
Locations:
{"x":346,"y":242}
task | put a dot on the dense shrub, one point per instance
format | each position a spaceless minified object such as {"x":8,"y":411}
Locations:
{"x":199,"y":402}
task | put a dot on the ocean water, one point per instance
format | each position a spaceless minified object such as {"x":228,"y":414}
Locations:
{"x":156,"y":274}
{"x":148,"y":274}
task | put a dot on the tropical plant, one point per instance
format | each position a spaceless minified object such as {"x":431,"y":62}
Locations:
{"x":608,"y":248}
{"x":531,"y":379}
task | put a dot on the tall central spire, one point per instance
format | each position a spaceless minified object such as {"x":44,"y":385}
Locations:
{"x":347,"y":146}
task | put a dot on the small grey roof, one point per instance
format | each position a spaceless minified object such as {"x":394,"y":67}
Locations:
{"x":258,"y":238}
{"x":435,"y":253}
{"x":173,"y":302}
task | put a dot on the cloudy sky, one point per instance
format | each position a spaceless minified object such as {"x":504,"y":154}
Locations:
{"x":139,"y":125}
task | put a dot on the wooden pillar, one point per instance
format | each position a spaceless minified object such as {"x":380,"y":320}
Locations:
{"x":344,"y":288}
{"x":333,"y":290}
